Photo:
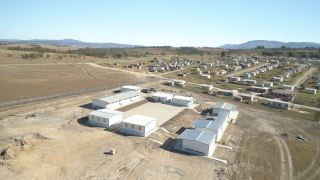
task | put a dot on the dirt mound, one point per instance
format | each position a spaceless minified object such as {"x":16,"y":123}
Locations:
{"x":11,"y":146}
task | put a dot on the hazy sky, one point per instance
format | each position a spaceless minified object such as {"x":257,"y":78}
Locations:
{"x":161,"y":22}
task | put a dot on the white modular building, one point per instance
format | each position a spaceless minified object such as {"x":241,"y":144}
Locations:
{"x":221,"y":106}
{"x":162,"y":97}
{"x":138,"y":125}
{"x":178,"y":82}
{"x":130,"y":88}
{"x":310,"y":90}
{"x":216,"y":126}
{"x":105,"y":117}
{"x":116,"y":100}
{"x":206,"y":87}
{"x":288,"y":87}
{"x":198,"y":142}
{"x":182,"y":101}
{"x":278,"y":104}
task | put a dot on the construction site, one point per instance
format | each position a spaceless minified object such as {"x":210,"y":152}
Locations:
{"x":86,"y":120}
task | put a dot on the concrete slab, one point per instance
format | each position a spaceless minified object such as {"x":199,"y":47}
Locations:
{"x":162,"y":112}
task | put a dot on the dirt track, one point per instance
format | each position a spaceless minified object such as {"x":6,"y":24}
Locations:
{"x":304,"y":77}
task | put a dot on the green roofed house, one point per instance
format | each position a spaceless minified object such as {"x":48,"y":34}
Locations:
{"x":246,"y":75}
{"x":268,"y":84}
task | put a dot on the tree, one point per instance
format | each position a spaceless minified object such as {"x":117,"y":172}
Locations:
{"x":223,"y":54}
{"x":260,"y":47}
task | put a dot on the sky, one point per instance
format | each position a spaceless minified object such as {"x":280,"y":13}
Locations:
{"x":162,"y":22}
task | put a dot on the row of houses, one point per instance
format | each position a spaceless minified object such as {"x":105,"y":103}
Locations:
{"x":248,"y":75}
{"x":172,"y":65}
{"x":202,"y":138}
{"x":172,"y":99}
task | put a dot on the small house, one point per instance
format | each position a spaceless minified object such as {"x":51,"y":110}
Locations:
{"x":130,"y":88}
{"x":267,"y":84}
{"x":246,"y":75}
{"x":162,"y":97}
{"x":261,"y":90}
{"x":183,"y":101}
{"x":310,"y":90}
{"x":278,"y":104}
{"x":283,"y":94}
{"x":288,"y":87}
{"x":197,"y":142}
{"x":206,"y":87}
{"x":138,"y":125}
{"x":277,"y":79}
{"x":225,"y":92}
{"x":116,"y":100}
{"x":105,"y":117}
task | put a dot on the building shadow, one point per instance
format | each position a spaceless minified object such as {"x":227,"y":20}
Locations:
{"x":180,"y":131}
{"x":88,"y":106}
{"x":169,"y":144}
{"x":174,"y":146}
{"x":85,"y":122}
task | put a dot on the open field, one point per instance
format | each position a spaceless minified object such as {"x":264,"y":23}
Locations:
{"x":20,"y":82}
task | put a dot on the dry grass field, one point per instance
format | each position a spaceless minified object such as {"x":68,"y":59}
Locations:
{"x":26,"y":81}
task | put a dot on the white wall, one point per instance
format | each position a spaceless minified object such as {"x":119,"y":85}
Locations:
{"x":144,"y":131}
{"x":105,"y":122}
{"x":181,"y":102}
{"x":116,"y":105}
{"x":150,"y":127}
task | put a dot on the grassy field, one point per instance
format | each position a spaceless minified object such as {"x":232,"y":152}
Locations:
{"x":20,"y":82}
{"x":307,"y":99}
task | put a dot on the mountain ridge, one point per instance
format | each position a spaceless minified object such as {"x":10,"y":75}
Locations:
{"x":68,"y":42}
{"x":270,"y":44}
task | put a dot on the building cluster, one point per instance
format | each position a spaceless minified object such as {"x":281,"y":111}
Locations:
{"x":139,"y":125}
{"x":202,"y":138}
{"x":176,"y":100}
{"x":172,"y":65}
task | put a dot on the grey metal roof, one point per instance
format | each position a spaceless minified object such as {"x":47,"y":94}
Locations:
{"x":196,"y":135}
{"x":119,"y":96}
{"x":215,"y":124}
{"x":225,"y":106}
{"x":106,"y":113}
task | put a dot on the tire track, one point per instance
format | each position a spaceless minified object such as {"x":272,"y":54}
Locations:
{"x":285,"y":159}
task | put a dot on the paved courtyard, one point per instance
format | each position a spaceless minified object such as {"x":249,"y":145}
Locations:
{"x":162,"y":112}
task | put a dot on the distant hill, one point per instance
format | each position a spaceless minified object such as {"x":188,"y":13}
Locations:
{"x":270,"y":44}
{"x":67,"y":42}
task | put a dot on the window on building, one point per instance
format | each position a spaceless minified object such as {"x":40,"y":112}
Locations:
{"x":125,"y":125}
{"x":139,"y":128}
{"x":132,"y":126}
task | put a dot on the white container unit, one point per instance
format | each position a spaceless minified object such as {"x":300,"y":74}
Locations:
{"x":105,"y":117}
{"x":198,"y":142}
{"x":138,"y":125}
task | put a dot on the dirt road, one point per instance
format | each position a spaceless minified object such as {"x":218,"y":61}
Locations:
{"x":303,"y":77}
{"x":247,"y":69}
